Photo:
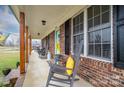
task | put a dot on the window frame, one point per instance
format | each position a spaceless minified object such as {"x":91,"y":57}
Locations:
{"x":101,"y":27}
{"x":85,"y":10}
{"x":79,"y":32}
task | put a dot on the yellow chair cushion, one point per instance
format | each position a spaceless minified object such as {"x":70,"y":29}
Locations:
{"x":70,"y":64}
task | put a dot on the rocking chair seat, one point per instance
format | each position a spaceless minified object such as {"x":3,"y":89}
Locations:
{"x":59,"y":70}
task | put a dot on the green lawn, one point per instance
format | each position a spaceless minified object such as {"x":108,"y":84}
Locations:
{"x":8,"y":58}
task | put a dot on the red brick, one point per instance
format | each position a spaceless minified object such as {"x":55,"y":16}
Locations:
{"x":100,"y":73}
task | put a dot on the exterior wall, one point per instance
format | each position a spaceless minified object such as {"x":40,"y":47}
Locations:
{"x":100,"y":73}
{"x":44,"y":42}
{"x":62,"y":38}
{"x":52,"y":43}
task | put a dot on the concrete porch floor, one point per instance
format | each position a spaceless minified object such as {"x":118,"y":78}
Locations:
{"x":37,"y":73}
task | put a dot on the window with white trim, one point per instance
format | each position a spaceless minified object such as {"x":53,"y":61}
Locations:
{"x":99,"y":31}
{"x":78,"y":31}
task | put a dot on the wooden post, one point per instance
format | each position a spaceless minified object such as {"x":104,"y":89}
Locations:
{"x":22,"y":43}
{"x":30,"y":44}
{"x":26,"y":44}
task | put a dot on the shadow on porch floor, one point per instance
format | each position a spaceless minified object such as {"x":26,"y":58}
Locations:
{"x":37,"y":73}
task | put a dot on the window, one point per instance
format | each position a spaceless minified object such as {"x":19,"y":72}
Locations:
{"x":99,"y":31}
{"x":78,"y":33}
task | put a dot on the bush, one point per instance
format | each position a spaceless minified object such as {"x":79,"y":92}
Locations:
{"x":6,"y":71}
{"x":17,"y":64}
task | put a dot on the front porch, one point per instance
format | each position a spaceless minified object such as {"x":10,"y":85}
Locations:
{"x":37,"y":73}
{"x":100,"y":64}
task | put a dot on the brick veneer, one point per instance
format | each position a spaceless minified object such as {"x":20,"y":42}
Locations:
{"x":52,"y":43}
{"x":100,"y":73}
{"x":62,"y":41}
{"x":62,"y":38}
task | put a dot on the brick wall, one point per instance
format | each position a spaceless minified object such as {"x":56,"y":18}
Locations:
{"x":100,"y":73}
{"x":52,"y":43}
{"x":62,"y":38}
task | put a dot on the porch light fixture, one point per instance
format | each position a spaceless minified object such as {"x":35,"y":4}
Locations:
{"x":43,"y":22}
{"x":38,"y":33}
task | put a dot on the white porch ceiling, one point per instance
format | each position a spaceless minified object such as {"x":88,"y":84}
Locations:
{"x":54,"y":15}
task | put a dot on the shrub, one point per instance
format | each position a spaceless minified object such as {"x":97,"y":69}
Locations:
{"x":17,"y":64}
{"x":6,"y":71}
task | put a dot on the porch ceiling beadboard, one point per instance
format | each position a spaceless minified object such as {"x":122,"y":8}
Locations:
{"x":54,"y":15}
{"x":15,"y":10}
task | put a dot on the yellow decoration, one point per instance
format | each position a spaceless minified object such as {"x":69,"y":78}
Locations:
{"x":70,"y":64}
{"x":58,"y":47}
{"x":2,"y":37}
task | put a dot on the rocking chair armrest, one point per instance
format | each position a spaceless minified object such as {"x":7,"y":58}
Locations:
{"x":61,"y":67}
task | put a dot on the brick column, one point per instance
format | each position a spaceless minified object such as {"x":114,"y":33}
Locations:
{"x":26,"y":44}
{"x":30,"y":44}
{"x":22,"y":43}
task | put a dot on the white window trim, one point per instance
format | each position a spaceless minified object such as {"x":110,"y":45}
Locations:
{"x":95,"y":58}
{"x":112,"y":36}
{"x":82,"y":10}
{"x":64,"y":38}
{"x":86,"y":35}
{"x":102,"y":59}
{"x":72,"y":35}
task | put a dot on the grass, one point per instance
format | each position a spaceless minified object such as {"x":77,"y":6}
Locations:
{"x":8,"y":59}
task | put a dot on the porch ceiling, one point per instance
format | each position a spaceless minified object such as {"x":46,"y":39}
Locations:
{"x":54,"y":15}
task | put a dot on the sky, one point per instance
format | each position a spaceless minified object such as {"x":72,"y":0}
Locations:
{"x":8,"y":22}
